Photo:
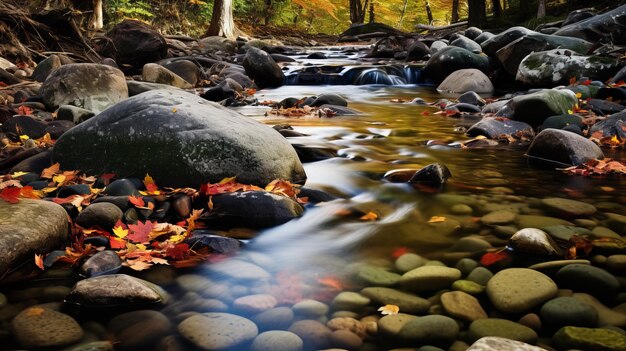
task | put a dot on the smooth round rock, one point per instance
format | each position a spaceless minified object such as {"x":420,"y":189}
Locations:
{"x":586,"y":278}
{"x":568,"y":207}
{"x":103,"y":214}
{"x":255,"y":303}
{"x":430,"y":330}
{"x":498,"y":217}
{"x":279,"y":318}
{"x":589,"y":339}
{"x":345,"y":339}
{"x":277,"y":340}
{"x":392,"y":324}
{"x":429,"y":278}
{"x":503,"y":328}
{"x":347,"y":323}
{"x":462,"y":306}
{"x":104,"y":262}
{"x":480,"y":275}
{"x":349,"y":301}
{"x":138,"y":329}
{"x":310,"y":308}
{"x":516,"y":290}
{"x":409,"y":261}
{"x":115,"y":290}
{"x":376,"y":276}
{"x":494,"y":343}
{"x":408,"y":303}
{"x":215,"y":331}
{"x":568,"y":311}
{"x":313,"y":333}
{"x":37,"y":327}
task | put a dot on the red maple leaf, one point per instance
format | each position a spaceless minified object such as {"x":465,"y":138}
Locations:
{"x":399,"y":251}
{"x":24,"y":110}
{"x":140,"y":232}
{"x":137,"y":201}
{"x":11,"y":194}
{"x":106,"y":178}
{"x":178,"y":251}
{"x":491,"y":258}
{"x":117,"y":243}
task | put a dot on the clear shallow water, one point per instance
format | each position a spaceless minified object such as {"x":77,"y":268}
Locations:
{"x":318,"y":255}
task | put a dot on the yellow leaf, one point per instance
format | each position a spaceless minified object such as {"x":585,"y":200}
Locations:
{"x":370,"y":216}
{"x":579,"y":95}
{"x":174,"y":110}
{"x":227,"y":180}
{"x":18,"y":174}
{"x":570,"y":112}
{"x":436,"y":219}
{"x":39,"y":261}
{"x":120,"y":232}
{"x":176,"y":238}
{"x":24,"y":137}
{"x":389,"y":310}
{"x":210,"y":204}
{"x":50,"y":171}
{"x":35,"y":311}
{"x":607,"y":188}
{"x":59,"y":179}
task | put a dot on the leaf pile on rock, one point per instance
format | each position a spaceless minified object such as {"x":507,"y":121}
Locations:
{"x":598,"y":167}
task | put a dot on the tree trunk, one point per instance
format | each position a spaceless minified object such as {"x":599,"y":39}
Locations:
{"x":497,"y":9}
{"x":222,"y":23}
{"x":98,"y":21}
{"x":541,"y":10}
{"x":406,"y":2}
{"x":357,"y":11}
{"x":268,"y":12}
{"x":372,"y":15}
{"x":455,"y":11}
{"x":477,"y":14}
{"x":429,"y":13}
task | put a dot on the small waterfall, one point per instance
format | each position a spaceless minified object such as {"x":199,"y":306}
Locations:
{"x":356,"y":75}
{"x":374,"y":76}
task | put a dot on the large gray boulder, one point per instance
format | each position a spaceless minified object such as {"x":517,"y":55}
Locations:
{"x":563,"y":148}
{"x":492,"y":45}
{"x":91,"y":86}
{"x":512,"y":54}
{"x":465,"y":80}
{"x":536,"y":107}
{"x":136,"y":43}
{"x":558,"y":66}
{"x":29,"y":227}
{"x":610,"y":26}
{"x":452,"y":58}
{"x":179,"y":139}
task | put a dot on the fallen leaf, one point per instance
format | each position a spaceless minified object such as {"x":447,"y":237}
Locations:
{"x":35,"y":311}
{"x":29,"y":193}
{"x":137,"y":201}
{"x":18,"y":174}
{"x":178,"y":251}
{"x":370,"y":216}
{"x":24,"y":110}
{"x":150,"y":185}
{"x":436,"y":219}
{"x":491,"y":258}
{"x":140,"y":232}
{"x":120,"y":230}
{"x":11,"y":195}
{"x":399,"y":251}
{"x":117,"y":243}
{"x":49,"y":172}
{"x":389,"y":310}
{"x":39,"y":261}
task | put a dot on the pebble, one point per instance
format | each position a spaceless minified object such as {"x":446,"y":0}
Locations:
{"x":138,"y":329}
{"x":310,"y":308}
{"x":494,"y":343}
{"x":461,"y":210}
{"x":392,"y":324}
{"x":480,"y":275}
{"x":462,"y":306}
{"x":277,"y":340}
{"x":503,"y":328}
{"x":347,"y":323}
{"x":376,"y":276}
{"x":214,"y":331}
{"x":194,"y":282}
{"x":468,"y":286}
{"x":409,"y":261}
{"x":255,"y":303}
{"x":606,"y":316}
{"x":429,"y":278}
{"x":604,"y":232}
{"x":568,"y":207}
{"x":92,"y":346}
{"x":466,"y":265}
{"x":586,"y":278}
{"x":238,"y":270}
{"x":617,"y":222}
{"x":616,"y":263}
{"x":345,"y":339}
{"x":408,"y":303}
{"x":551,"y":266}
{"x":500,"y":217}
{"x":314,"y":334}
{"x":431,"y":330}
{"x":115,"y":290}
{"x":564,"y":311}
{"x":516,"y":290}
{"x":349,"y":301}
{"x":532,"y":321}
{"x":536,"y":221}
{"x":103,"y":214}
{"x":276,"y":318}
{"x":104,"y":262}
{"x":590,"y":339}
{"x":37,"y":327}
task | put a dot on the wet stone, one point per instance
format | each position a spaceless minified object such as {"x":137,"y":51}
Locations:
{"x":115,"y":290}
{"x":462,"y":306}
{"x":277,"y":340}
{"x":104,"y":262}
{"x":194,"y":282}
{"x":215,"y":331}
{"x":568,"y":311}
{"x":409,"y":261}
{"x":238,"y":270}
{"x":392,"y":324}
{"x":349,"y":324}
{"x":494,"y":343}
{"x":349,"y":301}
{"x":480,"y":275}
{"x":517,"y":290}
{"x":590,"y":339}
{"x":468,"y":286}
{"x":408,"y":303}
{"x":37,"y":327}
{"x":533,"y":241}
{"x":429,"y":278}
{"x":498,"y":218}
{"x":430,"y":330}
{"x":586,"y":278}
{"x":92,"y":346}
{"x":276,"y":318}
{"x":310,"y":308}
{"x":314,"y":334}
{"x":376,"y":276}
{"x":503,"y":328}
{"x":255,"y":303}
{"x":138,"y":329}
{"x":345,"y":339}
{"x":568,"y":207}
{"x":606,"y":316}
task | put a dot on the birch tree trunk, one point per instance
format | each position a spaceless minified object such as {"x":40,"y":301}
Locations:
{"x":98,"y":21}
{"x":222,"y":23}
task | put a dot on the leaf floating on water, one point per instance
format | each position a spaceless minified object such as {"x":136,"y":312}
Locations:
{"x":39,"y":261}
{"x":389,"y":310}
{"x":399,"y":251}
{"x":598,"y":167}
{"x":436,"y":219}
{"x":492,"y":258}
{"x":370,"y":216}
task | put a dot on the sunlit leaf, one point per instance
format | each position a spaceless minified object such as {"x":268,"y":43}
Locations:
{"x":120,"y":230}
{"x":140,"y":232}
{"x":49,"y":172}
{"x":39,"y":261}
{"x":389,"y":310}
{"x":370,"y":216}
{"x":436,"y":219}
{"x":11,"y":195}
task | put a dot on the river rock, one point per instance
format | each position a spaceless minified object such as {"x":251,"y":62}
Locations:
{"x":558,"y":66}
{"x":492,"y":45}
{"x":418,"y":51}
{"x":255,"y":303}
{"x":216,"y":331}
{"x":433,"y":174}
{"x":465,"y":80}
{"x":103,"y":214}
{"x":408,"y":261}
{"x":73,"y":114}
{"x":185,"y":69}
{"x":503,"y":328}
{"x":534,"y":108}
{"x":91,"y":86}
{"x":314,"y":334}
{"x":253,"y":209}
{"x":516,"y":290}
{"x":512,"y":54}
{"x":277,"y":340}
{"x":429,"y":278}
{"x":279,"y":318}
{"x":261,"y":67}
{"x":533,"y":241}
{"x":136,"y":43}
{"x":568,"y":207}
{"x":564,"y":311}
{"x":498,"y":217}
{"x":608,"y":26}
{"x":494,"y":343}
{"x":138,"y":329}
{"x":408,"y":303}
{"x":37,"y":327}
{"x":349,"y":301}
{"x":392,"y":324}
{"x":466,"y":43}
{"x":430,"y":330}
{"x":606,"y":316}
{"x":589,"y":279}
{"x":462,"y":306}
{"x":104,"y":262}
{"x":206,"y":143}
{"x":45,"y":67}
{"x":563,"y":148}
{"x":376,"y":276}
{"x":562,"y":121}
{"x":115,"y":290}
{"x":450,"y":59}
{"x":611,"y":126}
{"x":589,"y":339}
{"x":310,"y":308}
{"x":238,"y":270}
{"x":494,"y":128}
{"x":158,"y":74}
{"x":30,"y":226}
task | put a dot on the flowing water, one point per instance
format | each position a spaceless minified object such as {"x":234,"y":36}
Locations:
{"x":316,"y":256}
